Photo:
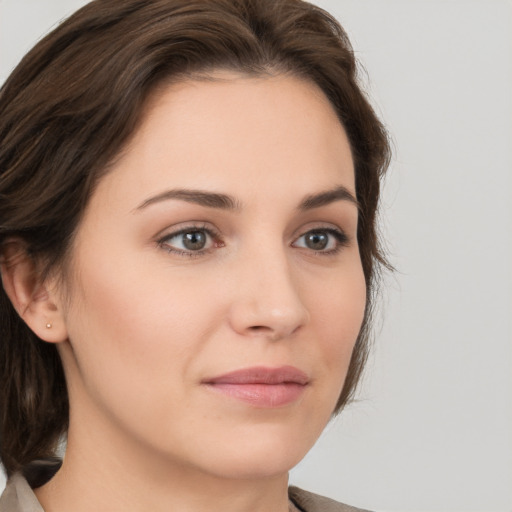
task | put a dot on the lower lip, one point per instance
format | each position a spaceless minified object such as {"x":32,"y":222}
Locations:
{"x":262,"y":395}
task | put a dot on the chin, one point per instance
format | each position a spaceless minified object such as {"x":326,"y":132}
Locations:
{"x":261,"y":453}
{"x":256,"y":466}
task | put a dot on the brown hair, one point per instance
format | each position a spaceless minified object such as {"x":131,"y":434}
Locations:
{"x":72,"y":103}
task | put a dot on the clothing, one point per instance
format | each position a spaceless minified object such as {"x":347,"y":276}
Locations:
{"x":309,"y":502}
{"x":19,"y":497}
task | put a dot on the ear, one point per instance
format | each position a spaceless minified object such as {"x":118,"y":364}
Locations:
{"x":35,"y":301}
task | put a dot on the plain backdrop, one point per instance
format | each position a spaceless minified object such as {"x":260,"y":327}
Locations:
{"x":432,"y":429}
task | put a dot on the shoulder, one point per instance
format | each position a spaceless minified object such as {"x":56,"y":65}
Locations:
{"x":310,"y":502}
{"x":18,"y":496}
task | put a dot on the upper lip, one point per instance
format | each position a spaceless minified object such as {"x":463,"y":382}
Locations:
{"x":262,"y":375}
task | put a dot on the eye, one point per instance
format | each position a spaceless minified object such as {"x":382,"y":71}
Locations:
{"x":327,"y":241}
{"x":189,"y":241}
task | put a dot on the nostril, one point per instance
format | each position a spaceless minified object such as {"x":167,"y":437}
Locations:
{"x":257,"y":328}
{"x":264,"y":330}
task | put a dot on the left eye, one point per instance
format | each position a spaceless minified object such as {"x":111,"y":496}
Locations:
{"x":321,"y":240}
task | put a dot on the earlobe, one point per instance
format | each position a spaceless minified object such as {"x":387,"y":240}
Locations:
{"x":34,"y":301}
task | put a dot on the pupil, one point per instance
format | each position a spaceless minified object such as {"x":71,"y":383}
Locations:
{"x":194,"y":240}
{"x":317,"y":241}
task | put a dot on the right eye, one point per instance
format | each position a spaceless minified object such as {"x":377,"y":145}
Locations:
{"x":191,"y":241}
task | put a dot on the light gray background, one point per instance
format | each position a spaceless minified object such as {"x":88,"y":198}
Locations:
{"x":433,"y":428}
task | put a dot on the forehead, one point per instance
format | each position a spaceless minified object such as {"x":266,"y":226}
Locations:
{"x":236,"y":134}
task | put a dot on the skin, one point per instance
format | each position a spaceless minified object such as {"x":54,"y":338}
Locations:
{"x":140,"y":327}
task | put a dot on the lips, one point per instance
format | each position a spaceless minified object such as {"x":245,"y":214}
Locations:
{"x":261,"y":386}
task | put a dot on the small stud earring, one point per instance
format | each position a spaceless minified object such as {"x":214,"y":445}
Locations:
{"x":48,"y":326}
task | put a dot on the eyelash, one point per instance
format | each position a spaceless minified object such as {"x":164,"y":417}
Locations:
{"x":340,"y":237}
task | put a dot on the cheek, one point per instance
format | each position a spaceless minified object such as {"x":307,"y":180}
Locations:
{"x":131,"y":330}
{"x":138,"y":309}
{"x":338,"y":316}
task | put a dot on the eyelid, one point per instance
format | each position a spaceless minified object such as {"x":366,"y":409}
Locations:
{"x":321,"y":226}
{"x":184,"y":227}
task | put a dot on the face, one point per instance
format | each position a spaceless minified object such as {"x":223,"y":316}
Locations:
{"x":217,"y":288}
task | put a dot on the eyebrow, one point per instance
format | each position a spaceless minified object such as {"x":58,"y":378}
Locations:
{"x":230,"y":203}
{"x":200,"y":197}
{"x":339,"y":193}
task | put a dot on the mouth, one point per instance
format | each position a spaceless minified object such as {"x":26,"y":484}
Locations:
{"x":261,"y":386}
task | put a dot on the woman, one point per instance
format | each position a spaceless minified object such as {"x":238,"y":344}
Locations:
{"x":189,"y":251}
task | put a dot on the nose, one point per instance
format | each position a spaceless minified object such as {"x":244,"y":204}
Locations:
{"x":267,"y":301}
